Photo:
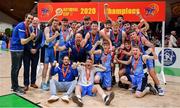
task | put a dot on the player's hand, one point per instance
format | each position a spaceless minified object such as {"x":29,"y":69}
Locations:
{"x":139,"y":15}
{"x":74,"y":65}
{"x":82,"y":43}
{"x":32,"y":35}
{"x":33,"y":51}
{"x":56,"y":46}
{"x":122,"y":46}
{"x":112,"y":48}
{"x":57,"y":34}
{"x":98,"y":42}
{"x":142,"y":20}
{"x":105,"y":5}
{"x":155,"y":55}
{"x":120,"y":50}
{"x":55,"y":64}
{"x":115,"y":59}
{"x":91,"y":52}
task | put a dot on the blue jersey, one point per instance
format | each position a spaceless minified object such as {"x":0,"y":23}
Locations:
{"x":19,"y":32}
{"x":92,"y":39}
{"x":144,"y":47}
{"x":68,"y":75}
{"x":138,"y":70}
{"x":140,"y":44}
{"x":49,"y":44}
{"x":78,"y":54}
{"x":150,"y":63}
{"x":116,"y":41}
{"x":63,"y":38}
{"x":86,"y":30}
{"x":106,"y":61}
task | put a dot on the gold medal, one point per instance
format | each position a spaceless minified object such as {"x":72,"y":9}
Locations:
{"x":34,"y":44}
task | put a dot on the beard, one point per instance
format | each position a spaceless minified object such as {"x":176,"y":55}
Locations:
{"x":78,"y":43}
{"x":66,"y":64}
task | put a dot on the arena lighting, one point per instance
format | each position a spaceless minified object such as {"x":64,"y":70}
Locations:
{"x":11,"y":9}
{"x":36,"y":1}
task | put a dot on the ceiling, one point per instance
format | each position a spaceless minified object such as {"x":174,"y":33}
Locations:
{"x":21,"y":7}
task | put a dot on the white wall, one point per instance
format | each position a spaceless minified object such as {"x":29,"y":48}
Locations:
{"x":6,"y":21}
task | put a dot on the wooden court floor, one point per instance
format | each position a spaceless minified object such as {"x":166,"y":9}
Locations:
{"x":123,"y":98}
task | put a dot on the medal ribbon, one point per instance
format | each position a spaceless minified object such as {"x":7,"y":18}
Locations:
{"x":65,"y":72}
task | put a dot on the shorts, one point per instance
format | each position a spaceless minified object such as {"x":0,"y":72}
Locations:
{"x":150,"y":63}
{"x":105,"y":79}
{"x":87,"y":90}
{"x":49,"y":55}
{"x":139,"y":82}
{"x":42,"y":54}
{"x":128,"y":69}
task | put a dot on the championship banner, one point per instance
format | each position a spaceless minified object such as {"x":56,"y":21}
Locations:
{"x":151,"y":11}
{"x":72,"y":11}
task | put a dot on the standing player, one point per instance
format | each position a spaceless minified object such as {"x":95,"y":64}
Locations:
{"x":93,"y":36}
{"x":86,"y":27}
{"x":117,"y":38}
{"x":120,"y":18}
{"x":20,"y":37}
{"x":64,"y":38}
{"x":105,"y":32}
{"x":51,"y":33}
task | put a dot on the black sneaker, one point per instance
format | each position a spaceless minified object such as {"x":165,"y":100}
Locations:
{"x":77,"y":100}
{"x":126,"y":86}
{"x":109,"y":98}
{"x":120,"y":85}
{"x":18,"y":86}
{"x":152,"y":89}
{"x":19,"y":91}
{"x":133,"y":89}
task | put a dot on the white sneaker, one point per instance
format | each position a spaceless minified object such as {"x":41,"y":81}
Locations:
{"x":53,"y":98}
{"x":65,"y":98}
{"x":161,"y":91}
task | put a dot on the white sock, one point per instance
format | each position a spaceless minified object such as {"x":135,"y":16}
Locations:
{"x":103,"y":96}
{"x":43,"y":82}
{"x":78,"y":96}
{"x":146,"y":90}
